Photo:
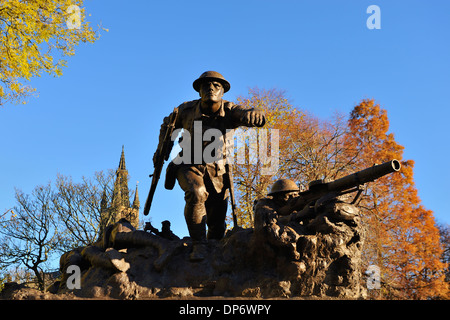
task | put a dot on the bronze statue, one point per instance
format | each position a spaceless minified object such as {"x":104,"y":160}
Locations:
{"x":203,"y":180}
{"x":287,"y":212}
{"x":277,"y":205}
{"x":273,"y":215}
{"x":286,"y":203}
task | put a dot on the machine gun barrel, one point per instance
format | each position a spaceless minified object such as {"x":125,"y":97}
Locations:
{"x":346,"y":184}
{"x":364,"y":176}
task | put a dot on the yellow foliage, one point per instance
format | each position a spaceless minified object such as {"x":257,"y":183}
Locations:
{"x":31,"y":32}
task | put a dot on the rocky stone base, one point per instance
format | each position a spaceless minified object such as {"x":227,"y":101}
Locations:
{"x":320,"y":258}
{"x":317,"y":258}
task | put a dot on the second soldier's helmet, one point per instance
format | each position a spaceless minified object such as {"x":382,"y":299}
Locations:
{"x":283,"y":185}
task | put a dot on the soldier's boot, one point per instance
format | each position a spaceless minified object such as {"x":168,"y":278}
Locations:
{"x":198,"y":236}
{"x":216,"y":213}
{"x":195,"y":215}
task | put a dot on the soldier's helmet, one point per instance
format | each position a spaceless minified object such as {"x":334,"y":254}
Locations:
{"x":283,"y":185}
{"x":211,"y":75}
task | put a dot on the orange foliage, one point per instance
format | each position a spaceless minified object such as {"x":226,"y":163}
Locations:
{"x":403,"y":239}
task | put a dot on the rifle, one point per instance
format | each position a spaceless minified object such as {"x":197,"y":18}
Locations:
{"x":163,"y":153}
{"x":351,"y":183}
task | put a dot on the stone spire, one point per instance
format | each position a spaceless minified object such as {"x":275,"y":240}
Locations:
{"x":136,"y":203}
{"x":121,"y":192}
{"x":120,"y":201}
{"x":122,"y":160}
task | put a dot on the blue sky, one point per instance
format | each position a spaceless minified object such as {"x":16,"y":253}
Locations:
{"x":117,"y":91}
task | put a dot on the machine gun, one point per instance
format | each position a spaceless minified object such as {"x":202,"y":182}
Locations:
{"x":332,"y":189}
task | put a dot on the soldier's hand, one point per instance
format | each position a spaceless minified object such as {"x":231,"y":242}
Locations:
{"x":155,"y":158}
{"x":254,"y":118}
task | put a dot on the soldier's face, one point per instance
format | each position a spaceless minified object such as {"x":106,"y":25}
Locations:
{"x":211,"y":91}
{"x":283,"y":197}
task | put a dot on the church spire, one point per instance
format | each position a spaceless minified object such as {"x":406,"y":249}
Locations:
{"x":136,"y":203}
{"x":120,"y":206}
{"x":122,"y":160}
{"x":121,"y":192}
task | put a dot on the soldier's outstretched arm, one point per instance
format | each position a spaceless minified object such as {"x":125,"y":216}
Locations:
{"x":248,"y":117}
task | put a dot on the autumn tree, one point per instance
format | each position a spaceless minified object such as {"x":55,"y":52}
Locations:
{"x":315,"y":149}
{"x":257,"y":152}
{"x":35,"y":36}
{"x":402,"y":238}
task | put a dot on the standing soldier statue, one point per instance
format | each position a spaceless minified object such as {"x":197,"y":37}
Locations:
{"x":203,"y":180}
